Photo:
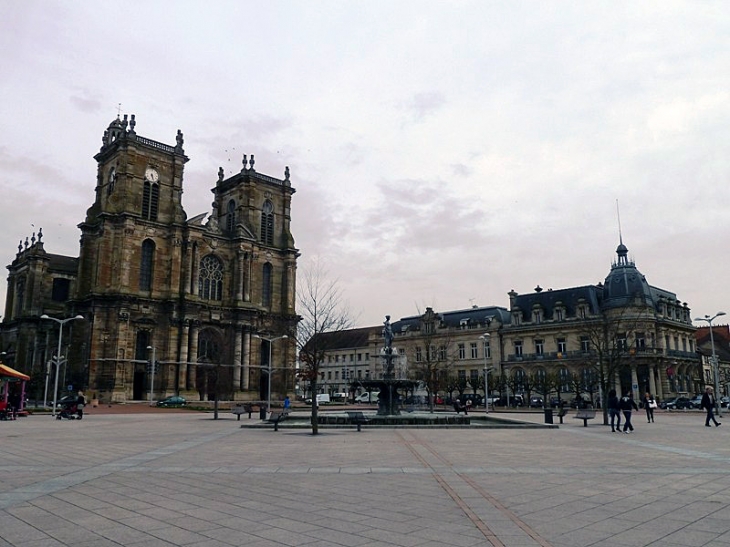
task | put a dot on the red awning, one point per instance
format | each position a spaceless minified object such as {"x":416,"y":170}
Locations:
{"x":6,"y":371}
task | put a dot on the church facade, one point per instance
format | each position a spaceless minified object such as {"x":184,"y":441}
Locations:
{"x":202,"y":297}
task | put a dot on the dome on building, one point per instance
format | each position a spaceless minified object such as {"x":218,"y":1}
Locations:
{"x":625,"y":284}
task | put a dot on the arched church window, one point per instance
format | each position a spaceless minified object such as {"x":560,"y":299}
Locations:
{"x":145,"y":266}
{"x":266,"y":285}
{"x":150,"y":200}
{"x":112,"y":181}
{"x":231,"y":217}
{"x":267,"y":223}
{"x":210,"y":280}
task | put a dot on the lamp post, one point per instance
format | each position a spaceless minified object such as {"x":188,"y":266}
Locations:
{"x":715,"y":371}
{"x":61,"y":323}
{"x":485,"y":338}
{"x":268,"y":382}
{"x":153,"y":365}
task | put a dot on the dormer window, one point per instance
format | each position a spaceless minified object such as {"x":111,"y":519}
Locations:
{"x":464,"y":324}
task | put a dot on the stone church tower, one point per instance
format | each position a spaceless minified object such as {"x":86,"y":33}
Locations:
{"x":199,"y":296}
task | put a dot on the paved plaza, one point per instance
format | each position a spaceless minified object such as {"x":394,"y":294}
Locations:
{"x":181,"y":478}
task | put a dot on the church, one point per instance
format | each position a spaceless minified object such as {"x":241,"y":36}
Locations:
{"x":210,"y":300}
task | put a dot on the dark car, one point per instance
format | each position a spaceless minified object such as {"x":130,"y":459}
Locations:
{"x":696,"y":401}
{"x":175,"y":400}
{"x":676,"y":403}
{"x":475,"y":399}
{"x":536,"y":402}
{"x":67,"y":400}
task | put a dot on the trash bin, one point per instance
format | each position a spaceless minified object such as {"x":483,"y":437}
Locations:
{"x":262,"y":412}
{"x":548,"y":415}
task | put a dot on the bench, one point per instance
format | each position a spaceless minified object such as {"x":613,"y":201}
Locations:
{"x":561,"y":414}
{"x":357,"y":418}
{"x":585,"y":415}
{"x":245,"y":408}
{"x":276,"y":418}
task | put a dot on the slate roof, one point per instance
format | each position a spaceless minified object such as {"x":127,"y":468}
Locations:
{"x":568,"y":298}
{"x":64,"y":264}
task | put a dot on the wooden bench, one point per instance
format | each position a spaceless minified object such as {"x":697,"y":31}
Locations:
{"x":276,"y":418}
{"x":357,"y":418}
{"x":585,"y":415}
{"x":561,"y":413}
{"x":245,"y":408}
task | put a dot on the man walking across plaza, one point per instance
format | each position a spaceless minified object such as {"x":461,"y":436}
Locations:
{"x":708,"y":403}
{"x":627,"y":404}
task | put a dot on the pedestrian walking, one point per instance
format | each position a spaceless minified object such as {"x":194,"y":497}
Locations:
{"x":613,"y":411}
{"x":649,"y":406}
{"x":627,"y":404}
{"x":287,"y":404}
{"x":80,"y":404}
{"x":708,"y":403}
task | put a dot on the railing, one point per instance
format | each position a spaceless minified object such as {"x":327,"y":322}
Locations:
{"x":155,"y":144}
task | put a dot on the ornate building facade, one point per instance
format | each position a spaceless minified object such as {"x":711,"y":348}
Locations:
{"x":198,"y":296}
{"x":640,"y":337}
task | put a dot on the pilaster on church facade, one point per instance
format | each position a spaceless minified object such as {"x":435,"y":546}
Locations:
{"x":150,"y":280}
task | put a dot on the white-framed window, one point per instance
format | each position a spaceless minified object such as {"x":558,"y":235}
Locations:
{"x":562,"y":346}
{"x":539,"y":347}
{"x":462,"y":351}
{"x":518,"y":348}
{"x":474,"y":350}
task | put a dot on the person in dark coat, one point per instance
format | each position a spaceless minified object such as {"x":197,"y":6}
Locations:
{"x":613,"y":411}
{"x":649,"y":406}
{"x":708,"y":403}
{"x":627,"y":404}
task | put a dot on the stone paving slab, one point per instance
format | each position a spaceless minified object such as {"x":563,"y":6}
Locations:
{"x":158,"y":479}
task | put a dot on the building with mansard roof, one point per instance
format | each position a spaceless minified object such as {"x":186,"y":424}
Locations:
{"x":640,"y":334}
{"x":198,"y":295}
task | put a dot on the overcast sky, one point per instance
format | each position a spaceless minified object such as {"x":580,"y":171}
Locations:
{"x":443,"y":153}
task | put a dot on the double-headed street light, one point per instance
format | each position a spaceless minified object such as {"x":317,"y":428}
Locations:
{"x":715,"y":370}
{"x":268,"y":382}
{"x":61,"y":323}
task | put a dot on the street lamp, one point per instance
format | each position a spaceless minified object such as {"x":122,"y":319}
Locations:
{"x":485,"y":338}
{"x":714,"y":357}
{"x":153,"y":365}
{"x":61,"y":323}
{"x":268,"y":382}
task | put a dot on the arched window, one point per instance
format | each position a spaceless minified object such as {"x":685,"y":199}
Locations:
{"x":266,"y":285}
{"x":231,"y":217}
{"x":112,"y":180}
{"x":267,"y":223}
{"x":210,"y":280}
{"x":145,"y":265}
{"x":150,"y":200}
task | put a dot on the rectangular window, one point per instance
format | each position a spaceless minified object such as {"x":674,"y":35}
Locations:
{"x":562,"y":346}
{"x":518,"y":348}
{"x":442,"y":353}
{"x":462,"y":375}
{"x":487,"y":350}
{"x":640,"y":341}
{"x":473,"y":376}
{"x":419,"y":356}
{"x":539,"y":347}
{"x":60,"y":289}
{"x":559,"y":314}
{"x":367,"y":357}
{"x":621,"y":342}
{"x":462,"y":351}
{"x":585,"y":344}
{"x":474,"y":350}
{"x":359,"y":356}
{"x":329,"y":374}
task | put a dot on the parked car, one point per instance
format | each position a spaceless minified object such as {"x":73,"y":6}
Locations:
{"x":536,"y":402}
{"x":724,"y":402}
{"x":66,"y":399}
{"x":696,"y":401}
{"x":676,"y":403}
{"x":174,"y":400}
{"x":368,"y":397}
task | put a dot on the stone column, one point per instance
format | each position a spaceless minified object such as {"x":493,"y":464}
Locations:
{"x":237,"y":359}
{"x":184,"y":341}
{"x":652,"y":381}
{"x":246,"y":361}
{"x":192,"y":358}
{"x":239,"y":277}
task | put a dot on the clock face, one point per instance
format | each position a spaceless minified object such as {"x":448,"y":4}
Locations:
{"x":151,"y":175}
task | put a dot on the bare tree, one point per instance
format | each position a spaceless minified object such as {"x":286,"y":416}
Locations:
{"x":432,"y":362}
{"x":323,"y":312}
{"x":609,"y":337}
